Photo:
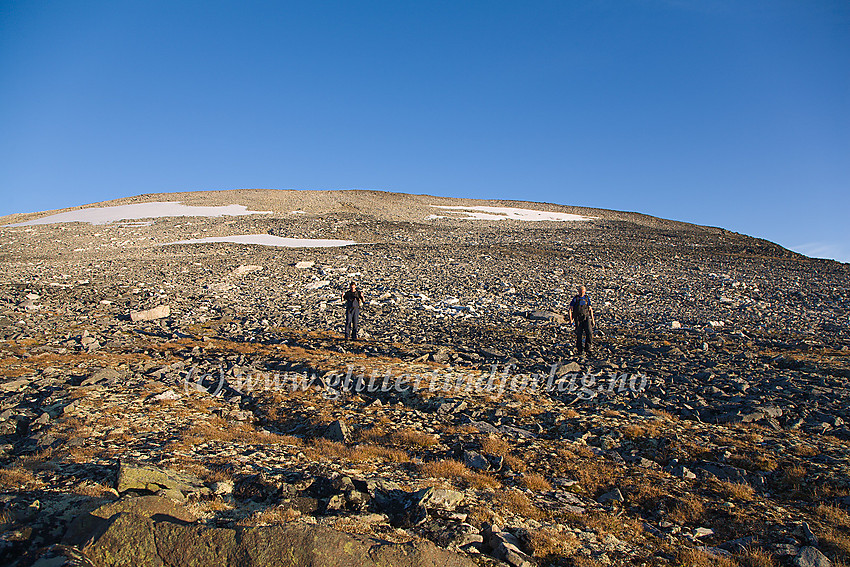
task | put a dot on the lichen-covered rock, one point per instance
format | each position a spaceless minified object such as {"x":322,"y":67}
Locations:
{"x":131,"y":539}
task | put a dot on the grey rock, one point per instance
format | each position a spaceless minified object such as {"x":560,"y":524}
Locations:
{"x":15,"y":385}
{"x":612,"y":496}
{"x":159,"y":312}
{"x":151,"y":479}
{"x":569,"y":368}
{"x":809,"y":536}
{"x":101,"y":376}
{"x":338,"y":431}
{"x":811,"y":557}
{"x":475,"y":461}
{"x":135,"y":540}
{"x":441,"y":498}
{"x":549,"y":316}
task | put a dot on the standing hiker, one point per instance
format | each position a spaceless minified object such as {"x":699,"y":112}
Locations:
{"x":353,"y":302}
{"x":581,"y":314}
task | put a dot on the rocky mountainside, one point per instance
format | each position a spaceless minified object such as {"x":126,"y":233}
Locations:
{"x":175,"y":388}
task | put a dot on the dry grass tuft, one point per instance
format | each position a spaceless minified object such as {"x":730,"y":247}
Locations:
{"x":649,"y":430}
{"x":38,"y":461}
{"x":550,"y":544}
{"x":373,"y":434}
{"x":687,"y":510}
{"x":376,"y":452}
{"x":516,"y":464}
{"x":623,"y":527}
{"x":325,"y":449}
{"x":94,"y":490}
{"x":758,"y":462}
{"x":517,"y":503}
{"x":492,"y":445}
{"x":407,"y":437}
{"x":273,"y":516}
{"x":218,"y":429}
{"x":755,"y":558}
{"x":536,"y":482}
{"x":795,"y":474}
{"x":835,"y":542}
{"x":455,"y":470}
{"x":804,"y":450}
{"x":478,"y":515}
{"x":583,"y":561}
{"x":833,"y":515}
{"x":735,"y":490}
{"x":579,"y":462}
{"x":689,"y":557}
{"x":664,"y":415}
{"x":18,"y":479}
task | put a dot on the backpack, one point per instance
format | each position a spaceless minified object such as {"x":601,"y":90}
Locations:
{"x":581,"y":309}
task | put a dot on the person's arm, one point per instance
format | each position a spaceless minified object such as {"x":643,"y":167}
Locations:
{"x":592,"y":318}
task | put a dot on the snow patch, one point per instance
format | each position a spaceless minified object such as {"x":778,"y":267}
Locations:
{"x":268,"y":240}
{"x":106,"y":215}
{"x":502,"y":213}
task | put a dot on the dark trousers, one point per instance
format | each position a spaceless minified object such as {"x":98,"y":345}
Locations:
{"x":583,"y":328}
{"x":352,"y":319}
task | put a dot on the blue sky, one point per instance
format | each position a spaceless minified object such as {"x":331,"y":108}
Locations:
{"x":726,"y":113}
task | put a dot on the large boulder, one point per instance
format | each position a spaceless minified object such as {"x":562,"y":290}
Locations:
{"x":132,"y":539}
{"x":811,"y":557}
{"x":175,"y":485}
{"x":156,"y":507}
{"x":159,"y":312}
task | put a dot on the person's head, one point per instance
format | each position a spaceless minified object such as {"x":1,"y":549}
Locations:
{"x":352,"y":286}
{"x":582,"y":290}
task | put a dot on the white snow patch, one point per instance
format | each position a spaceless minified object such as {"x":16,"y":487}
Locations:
{"x":502,"y":213}
{"x":106,"y":215}
{"x":269,"y":240}
{"x":246,"y":269}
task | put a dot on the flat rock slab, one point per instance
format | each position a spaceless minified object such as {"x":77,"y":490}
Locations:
{"x":131,"y":477}
{"x":146,"y":506}
{"x":131,"y":539}
{"x":150,"y":314}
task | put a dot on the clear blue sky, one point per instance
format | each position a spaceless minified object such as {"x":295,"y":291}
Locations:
{"x":729,"y":113}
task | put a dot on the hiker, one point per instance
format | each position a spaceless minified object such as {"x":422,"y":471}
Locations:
{"x":581,"y":314}
{"x":353,"y":302}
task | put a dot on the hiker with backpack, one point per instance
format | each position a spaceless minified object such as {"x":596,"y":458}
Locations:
{"x":353,"y":300}
{"x":581,"y":315}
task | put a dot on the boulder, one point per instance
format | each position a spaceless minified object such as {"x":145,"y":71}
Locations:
{"x":441,"y":498}
{"x":811,"y":557}
{"x":612,"y":496}
{"x":146,"y":506}
{"x":159,"y":312}
{"x":132,"y":539}
{"x":475,"y":461}
{"x":549,"y":316}
{"x":338,"y":431}
{"x":175,"y":484}
{"x":101,"y":376}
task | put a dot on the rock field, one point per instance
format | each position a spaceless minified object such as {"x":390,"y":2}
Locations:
{"x":196,"y":404}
